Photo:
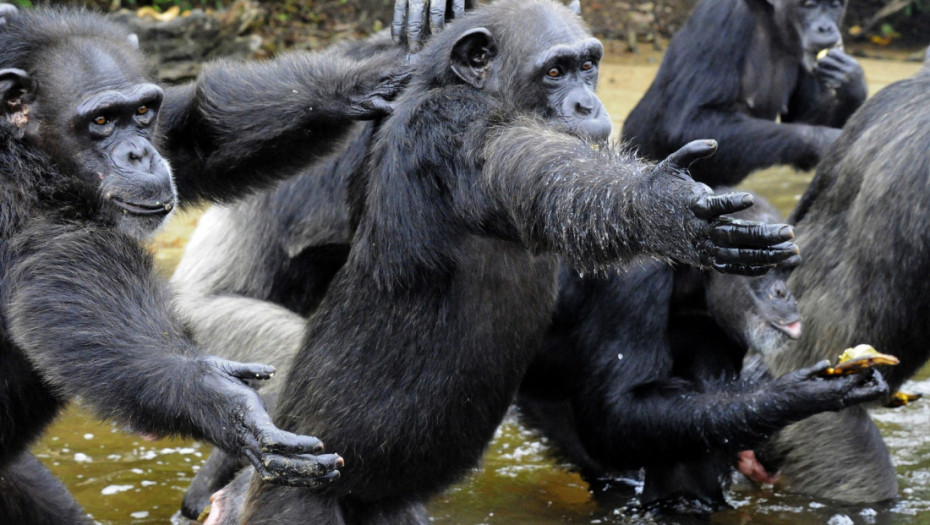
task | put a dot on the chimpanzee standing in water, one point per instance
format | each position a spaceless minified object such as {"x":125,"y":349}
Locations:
{"x":746,"y":73}
{"x":864,"y":224}
{"x":473,"y":185}
{"x":649,"y":356}
{"x":81,"y":182}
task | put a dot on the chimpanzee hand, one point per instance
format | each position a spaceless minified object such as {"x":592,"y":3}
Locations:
{"x":725,"y":244}
{"x":416,"y":20}
{"x":808,"y":389}
{"x":839,"y":71}
{"x":375,"y":102}
{"x":6,"y":11}
{"x":279,"y":457}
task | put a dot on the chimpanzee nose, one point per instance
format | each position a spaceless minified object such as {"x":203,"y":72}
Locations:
{"x":135,"y":152}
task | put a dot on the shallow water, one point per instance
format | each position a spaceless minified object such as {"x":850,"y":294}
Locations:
{"x":120,"y":478}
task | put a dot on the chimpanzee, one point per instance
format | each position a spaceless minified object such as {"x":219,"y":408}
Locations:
{"x":473,"y":186}
{"x":641,"y":368}
{"x":746,"y":73}
{"x":863,"y":280}
{"x":81,"y":182}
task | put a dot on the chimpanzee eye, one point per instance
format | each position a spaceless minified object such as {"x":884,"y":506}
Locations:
{"x":101,"y":120}
{"x":587,"y":65}
{"x":142,"y":110}
{"x":554,"y":73}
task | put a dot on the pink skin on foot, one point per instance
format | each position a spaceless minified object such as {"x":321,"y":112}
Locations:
{"x":753,"y":469}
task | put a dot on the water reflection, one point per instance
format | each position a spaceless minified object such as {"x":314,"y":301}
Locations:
{"x":120,"y":478}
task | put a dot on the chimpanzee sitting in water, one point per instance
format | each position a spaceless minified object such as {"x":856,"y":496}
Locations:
{"x":81,"y":183}
{"x":473,"y":185}
{"x":747,"y":73}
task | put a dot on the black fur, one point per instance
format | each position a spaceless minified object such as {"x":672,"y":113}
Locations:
{"x":82,"y":313}
{"x":735,"y":67}
{"x":420,"y":342}
{"x":863,"y":228}
{"x":641,"y":368}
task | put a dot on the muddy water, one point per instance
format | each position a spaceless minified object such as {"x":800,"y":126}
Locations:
{"x":120,"y":478}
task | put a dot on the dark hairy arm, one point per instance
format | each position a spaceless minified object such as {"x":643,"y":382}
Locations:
{"x":600,"y":204}
{"x":672,"y":420}
{"x":244,"y":125}
{"x":85,"y":308}
{"x":747,"y":143}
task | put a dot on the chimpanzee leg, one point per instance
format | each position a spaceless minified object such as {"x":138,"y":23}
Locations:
{"x":31,"y":495}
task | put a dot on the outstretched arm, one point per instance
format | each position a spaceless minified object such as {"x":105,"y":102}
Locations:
{"x":747,"y":143}
{"x":601,"y":204}
{"x":244,"y":125}
{"x":631,"y":413}
{"x":85,"y":309}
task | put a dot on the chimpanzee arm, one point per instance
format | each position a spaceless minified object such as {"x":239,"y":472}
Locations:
{"x":85,"y":308}
{"x":245,"y":125}
{"x":601,"y":204}
{"x":814,"y":102}
{"x":829,"y":95}
{"x":630,"y":413}
{"x":747,"y":144}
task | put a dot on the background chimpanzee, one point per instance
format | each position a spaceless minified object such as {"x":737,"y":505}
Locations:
{"x":81,"y":182}
{"x":641,"y":367}
{"x":419,"y":344}
{"x":737,"y":66}
{"x":863,"y":280}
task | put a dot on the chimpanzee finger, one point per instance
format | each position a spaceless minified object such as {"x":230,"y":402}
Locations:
{"x":869,"y":386}
{"x":458,"y":9}
{"x":750,"y":256}
{"x":7,"y":11}
{"x":279,"y":441}
{"x":243,"y":371}
{"x":299,"y":471}
{"x":437,"y":16}
{"x":710,"y":206}
{"x":743,"y":269}
{"x":399,"y":24}
{"x":689,"y":154}
{"x":417,"y":25}
{"x":814,"y":371}
{"x":751,"y":234}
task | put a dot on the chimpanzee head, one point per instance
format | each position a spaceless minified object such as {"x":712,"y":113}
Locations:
{"x":760,"y":312}
{"x":75,"y":89}
{"x":806,"y":26}
{"x":548,"y":64}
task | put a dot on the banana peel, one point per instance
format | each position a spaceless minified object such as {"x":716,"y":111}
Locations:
{"x":900,"y":399}
{"x":858,"y":358}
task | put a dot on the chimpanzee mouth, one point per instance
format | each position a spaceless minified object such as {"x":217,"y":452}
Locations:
{"x":136,"y":208}
{"x":791,"y":329}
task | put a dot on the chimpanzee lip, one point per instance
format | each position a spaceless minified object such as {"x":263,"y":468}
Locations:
{"x":143,"y":208}
{"x":786,"y":328}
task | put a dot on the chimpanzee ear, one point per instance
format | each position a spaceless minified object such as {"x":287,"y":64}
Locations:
{"x":16,"y":88}
{"x":472,"y":55}
{"x":16,"y":91}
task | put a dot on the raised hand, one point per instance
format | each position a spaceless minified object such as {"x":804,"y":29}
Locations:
{"x":416,"y":20}
{"x":279,"y":457}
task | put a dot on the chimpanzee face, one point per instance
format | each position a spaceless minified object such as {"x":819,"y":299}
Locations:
{"x":99,"y":130}
{"x":809,"y":25}
{"x":761,"y":312}
{"x":549,"y":67}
